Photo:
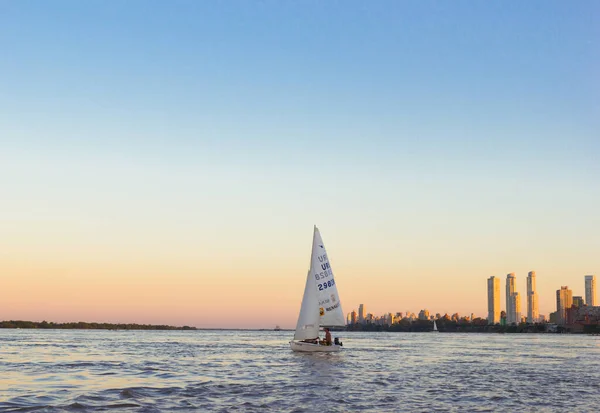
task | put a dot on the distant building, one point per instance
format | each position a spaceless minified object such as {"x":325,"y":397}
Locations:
{"x":590,"y":290}
{"x":493,"y":290}
{"x":353,"y":317}
{"x":581,"y":316}
{"x":577,"y":301}
{"x":511,"y":317}
{"x":571,"y":314}
{"x":541,"y":318}
{"x":390,"y":319}
{"x":361,"y":314}
{"x":424,"y":314}
{"x":564,"y":300}
{"x":532,"y":299}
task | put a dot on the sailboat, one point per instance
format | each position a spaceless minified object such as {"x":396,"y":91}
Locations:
{"x":321,"y":304}
{"x":435,"y":330}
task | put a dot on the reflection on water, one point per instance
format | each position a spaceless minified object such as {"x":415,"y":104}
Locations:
{"x":54,"y":370}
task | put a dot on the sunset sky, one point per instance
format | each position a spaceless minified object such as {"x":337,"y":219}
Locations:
{"x":165,"y":161}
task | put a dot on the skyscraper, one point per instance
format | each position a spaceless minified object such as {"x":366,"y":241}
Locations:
{"x":361,"y":314}
{"x":564,"y":300}
{"x":533,"y":312}
{"x":390,"y":319}
{"x":590,"y":289}
{"x":493,"y":300}
{"x":510,"y":290}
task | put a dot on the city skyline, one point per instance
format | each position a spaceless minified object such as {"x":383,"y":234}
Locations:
{"x":564,"y":300}
{"x":165,"y":163}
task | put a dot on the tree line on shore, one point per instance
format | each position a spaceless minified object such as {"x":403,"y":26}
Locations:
{"x":80,"y":325}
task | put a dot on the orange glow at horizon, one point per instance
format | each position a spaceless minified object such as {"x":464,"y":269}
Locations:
{"x":241,"y":286}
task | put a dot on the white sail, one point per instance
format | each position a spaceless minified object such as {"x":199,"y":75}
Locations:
{"x":307,"y":326}
{"x":434,"y":326}
{"x":328,"y":300}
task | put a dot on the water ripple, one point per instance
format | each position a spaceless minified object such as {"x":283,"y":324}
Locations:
{"x":77,"y":371}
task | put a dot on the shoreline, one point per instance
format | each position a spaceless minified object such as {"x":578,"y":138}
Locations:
{"x":418,"y":327}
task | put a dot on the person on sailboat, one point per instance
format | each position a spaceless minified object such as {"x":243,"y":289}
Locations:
{"x":327,"y":337}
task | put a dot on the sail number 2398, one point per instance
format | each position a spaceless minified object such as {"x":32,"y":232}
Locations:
{"x":326,"y":285}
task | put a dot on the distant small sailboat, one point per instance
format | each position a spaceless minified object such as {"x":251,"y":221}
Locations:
{"x":435,"y":330}
{"x":277,"y":328}
{"x":321,"y":304}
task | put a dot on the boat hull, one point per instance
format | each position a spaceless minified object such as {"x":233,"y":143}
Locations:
{"x":313,"y":348}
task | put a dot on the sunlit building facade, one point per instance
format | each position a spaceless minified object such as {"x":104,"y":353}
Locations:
{"x":590,"y":290}
{"x":515,"y":308}
{"x":533,"y":311}
{"x":564,"y":300}
{"x":353,"y":317}
{"x":511,"y":316}
{"x":493,"y":300}
{"x":361,"y":314}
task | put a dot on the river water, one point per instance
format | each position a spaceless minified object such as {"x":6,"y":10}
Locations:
{"x":68,"y":370}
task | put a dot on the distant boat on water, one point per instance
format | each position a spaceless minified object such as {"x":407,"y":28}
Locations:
{"x":435,"y":330}
{"x":277,"y":328}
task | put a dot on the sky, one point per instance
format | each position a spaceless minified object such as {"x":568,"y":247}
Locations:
{"x":165,"y":161}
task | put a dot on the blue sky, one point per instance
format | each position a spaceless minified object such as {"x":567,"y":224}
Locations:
{"x":463,"y":131}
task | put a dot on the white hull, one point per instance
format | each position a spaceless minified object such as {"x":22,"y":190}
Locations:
{"x":313,"y":348}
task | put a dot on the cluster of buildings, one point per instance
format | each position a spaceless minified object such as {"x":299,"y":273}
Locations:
{"x":362,"y":317}
{"x":564,"y":302}
{"x":570,"y":310}
{"x":513,"y":300}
